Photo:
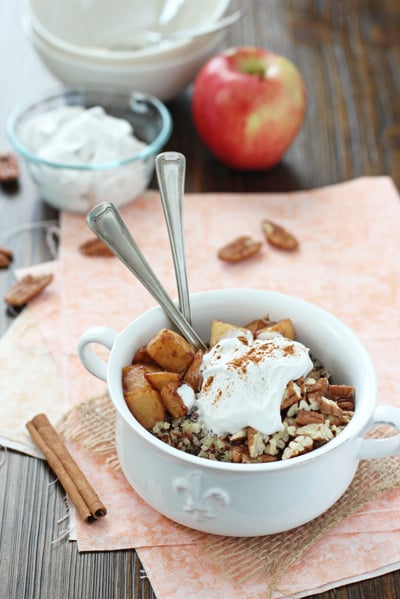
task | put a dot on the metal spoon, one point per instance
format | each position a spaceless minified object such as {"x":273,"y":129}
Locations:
{"x":170,"y":169}
{"x":148,"y":37}
{"x":106,"y":222}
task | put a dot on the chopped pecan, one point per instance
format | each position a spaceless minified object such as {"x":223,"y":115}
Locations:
{"x":95,"y":247}
{"x":303,"y":404}
{"x":240,"y":436}
{"x":246,"y":459}
{"x":255,"y":442}
{"x":9,"y":170}
{"x":279,"y":237}
{"x":291,"y":396}
{"x":6,"y":257}
{"x":300,"y":444}
{"x":314,"y":397}
{"x":334,"y":421}
{"x":346,"y":417}
{"x":340,"y":391}
{"x":240,"y":249}
{"x":237,"y":454}
{"x":321,"y":433}
{"x":278,"y":440}
{"x":346,"y":405}
{"x":321,"y":385}
{"x":329,"y":406}
{"x":26,"y":289}
{"x":309,"y":417}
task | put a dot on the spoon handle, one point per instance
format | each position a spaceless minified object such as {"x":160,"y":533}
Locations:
{"x":170,"y":169}
{"x":106,"y":222}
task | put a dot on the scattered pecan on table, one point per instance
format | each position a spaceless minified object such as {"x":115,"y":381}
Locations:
{"x":9,"y":170}
{"x":6,"y":256}
{"x":240,"y":249}
{"x":26,"y":289}
{"x":278,"y":236}
{"x":94,"y":247}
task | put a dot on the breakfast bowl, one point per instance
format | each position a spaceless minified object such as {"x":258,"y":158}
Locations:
{"x":116,"y":32}
{"x":244,"y":499}
{"x":82,"y":145}
{"x":163,"y":78}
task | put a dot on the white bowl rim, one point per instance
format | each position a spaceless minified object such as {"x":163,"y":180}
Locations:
{"x":147,"y":151}
{"x":99,"y":53}
{"x":126,"y":67}
{"x":358,"y":422}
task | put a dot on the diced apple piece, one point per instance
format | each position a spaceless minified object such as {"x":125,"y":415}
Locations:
{"x":172,"y":400}
{"x":259,"y":323}
{"x":142,"y":356}
{"x":219,"y":329}
{"x":170,"y":350}
{"x":143,"y":401}
{"x":161,"y":377}
{"x":193,"y":376}
{"x":284,"y":327}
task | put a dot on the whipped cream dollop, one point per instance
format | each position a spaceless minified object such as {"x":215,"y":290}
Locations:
{"x":73,"y":135}
{"x":244,"y":380}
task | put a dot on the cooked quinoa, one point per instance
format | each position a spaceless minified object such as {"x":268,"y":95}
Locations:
{"x":313,"y":412}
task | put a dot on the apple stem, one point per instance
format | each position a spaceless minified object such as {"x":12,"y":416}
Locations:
{"x":253,"y":67}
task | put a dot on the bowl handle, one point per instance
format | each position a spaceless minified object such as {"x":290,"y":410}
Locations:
{"x":379,"y":448}
{"x":91,"y":361}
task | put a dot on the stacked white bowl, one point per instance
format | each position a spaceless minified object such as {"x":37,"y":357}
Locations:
{"x":98,"y":42}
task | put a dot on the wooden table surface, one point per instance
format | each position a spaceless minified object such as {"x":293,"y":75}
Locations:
{"x":349,"y":55}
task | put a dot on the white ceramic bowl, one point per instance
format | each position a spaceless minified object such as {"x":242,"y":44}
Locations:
{"x":245,"y":499}
{"x":97,"y":29}
{"x":75,"y":186}
{"x":163,"y":79}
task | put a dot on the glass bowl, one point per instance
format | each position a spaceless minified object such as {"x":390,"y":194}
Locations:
{"x":81,"y":157}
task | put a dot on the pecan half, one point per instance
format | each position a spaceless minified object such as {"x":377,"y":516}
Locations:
{"x":6,"y":257}
{"x":95,"y":247}
{"x":278,"y":236}
{"x":341,"y":391}
{"x":26,"y":289}
{"x":9,"y":170}
{"x":240,"y":249}
{"x":346,"y":405}
{"x":304,"y":417}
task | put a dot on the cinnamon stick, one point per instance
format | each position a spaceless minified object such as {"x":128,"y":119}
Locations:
{"x":71,"y":477}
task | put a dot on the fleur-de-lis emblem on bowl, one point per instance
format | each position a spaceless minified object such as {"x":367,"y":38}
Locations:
{"x":197,"y":501}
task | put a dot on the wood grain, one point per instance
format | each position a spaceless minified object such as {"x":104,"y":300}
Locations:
{"x":349,"y":55}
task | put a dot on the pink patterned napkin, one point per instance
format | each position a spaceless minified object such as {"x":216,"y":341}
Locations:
{"x":347,"y":263}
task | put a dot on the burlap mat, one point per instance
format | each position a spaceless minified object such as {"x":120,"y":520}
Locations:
{"x":92,"y":424}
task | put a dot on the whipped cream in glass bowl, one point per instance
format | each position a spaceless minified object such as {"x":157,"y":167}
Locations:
{"x":85,"y":146}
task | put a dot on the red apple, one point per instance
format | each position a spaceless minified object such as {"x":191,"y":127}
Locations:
{"x":248,"y":105}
